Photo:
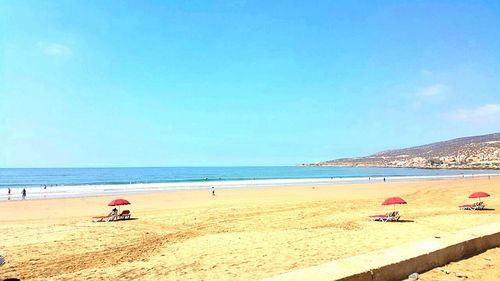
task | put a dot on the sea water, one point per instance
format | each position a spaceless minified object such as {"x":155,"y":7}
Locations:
{"x":66,"y":182}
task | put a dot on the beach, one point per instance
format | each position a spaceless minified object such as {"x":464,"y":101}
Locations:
{"x":239,"y":234}
{"x":481,"y":267}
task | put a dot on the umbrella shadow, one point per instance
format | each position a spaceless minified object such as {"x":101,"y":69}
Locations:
{"x":131,"y":219}
{"x":404,"y":221}
{"x":486,"y":209}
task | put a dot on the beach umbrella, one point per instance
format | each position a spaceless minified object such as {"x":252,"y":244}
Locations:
{"x":479,"y":195}
{"x":118,"y":202}
{"x":393,"y":201}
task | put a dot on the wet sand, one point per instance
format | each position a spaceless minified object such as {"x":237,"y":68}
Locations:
{"x":244,"y":234}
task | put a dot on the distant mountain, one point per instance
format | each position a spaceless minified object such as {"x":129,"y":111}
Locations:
{"x":478,"y":152}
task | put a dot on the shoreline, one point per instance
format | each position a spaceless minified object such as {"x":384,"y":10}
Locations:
{"x":94,"y":190}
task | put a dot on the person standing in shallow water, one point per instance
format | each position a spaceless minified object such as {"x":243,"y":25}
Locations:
{"x":24,"y":193}
{"x":213,"y":191}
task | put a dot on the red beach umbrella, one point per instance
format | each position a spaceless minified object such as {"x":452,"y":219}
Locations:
{"x":479,"y":194}
{"x":393,"y":201}
{"x":118,"y":202}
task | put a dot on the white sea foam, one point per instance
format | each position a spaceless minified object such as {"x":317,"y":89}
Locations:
{"x":63,"y":191}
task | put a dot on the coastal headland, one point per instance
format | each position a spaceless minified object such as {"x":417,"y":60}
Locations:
{"x":238,"y":234}
{"x":477,"y":152}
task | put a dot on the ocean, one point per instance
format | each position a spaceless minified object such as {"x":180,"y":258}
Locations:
{"x":67,"y":182}
{"x":91,"y":176}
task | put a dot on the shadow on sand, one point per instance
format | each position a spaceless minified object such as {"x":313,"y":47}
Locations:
{"x":131,"y":219}
{"x":404,"y":221}
{"x":398,"y":221}
{"x":480,"y":210}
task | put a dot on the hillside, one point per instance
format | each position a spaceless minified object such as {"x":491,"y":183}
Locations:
{"x":477,"y":152}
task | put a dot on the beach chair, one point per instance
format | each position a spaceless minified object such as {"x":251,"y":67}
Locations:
{"x":391,"y":216}
{"x":475,"y":206}
{"x":102,"y":218}
{"x":465,"y":207}
{"x":395,"y":216}
{"x":478,"y":205}
{"x":124,"y":215}
{"x":377,"y":217}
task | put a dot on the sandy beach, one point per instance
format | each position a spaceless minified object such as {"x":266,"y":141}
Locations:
{"x":239,"y":234}
{"x":481,"y":267}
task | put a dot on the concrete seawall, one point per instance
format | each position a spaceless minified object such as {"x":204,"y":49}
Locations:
{"x":398,"y":262}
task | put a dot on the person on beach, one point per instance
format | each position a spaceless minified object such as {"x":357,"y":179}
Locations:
{"x":213,"y":191}
{"x":114,"y":214}
{"x":24,"y":193}
{"x":384,"y":179}
{"x":8,"y":191}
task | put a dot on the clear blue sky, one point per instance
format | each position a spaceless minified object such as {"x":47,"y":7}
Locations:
{"x":212,"y":83}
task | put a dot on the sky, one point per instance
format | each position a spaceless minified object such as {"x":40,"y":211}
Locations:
{"x":241,"y":83}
